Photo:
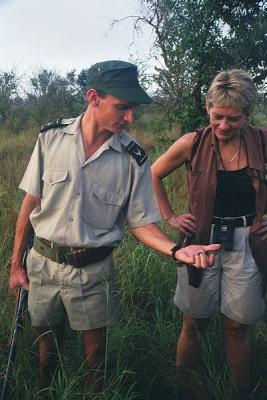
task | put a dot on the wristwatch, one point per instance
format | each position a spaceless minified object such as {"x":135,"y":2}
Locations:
{"x":174,"y":249}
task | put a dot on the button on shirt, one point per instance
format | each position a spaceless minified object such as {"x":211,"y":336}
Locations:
{"x":84,"y":203}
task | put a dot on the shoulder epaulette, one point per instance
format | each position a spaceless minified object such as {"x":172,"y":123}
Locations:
{"x":136,"y":152}
{"x":58,"y":123}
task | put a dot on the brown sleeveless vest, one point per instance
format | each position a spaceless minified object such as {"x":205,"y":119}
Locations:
{"x":202,"y":169}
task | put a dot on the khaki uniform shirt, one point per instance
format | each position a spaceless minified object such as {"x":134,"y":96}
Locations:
{"x":84,"y":203}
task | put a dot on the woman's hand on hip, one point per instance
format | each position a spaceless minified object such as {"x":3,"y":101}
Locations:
{"x":184,"y":223}
{"x":262,"y":230}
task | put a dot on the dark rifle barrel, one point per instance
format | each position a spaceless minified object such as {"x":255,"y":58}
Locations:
{"x":20,"y":309}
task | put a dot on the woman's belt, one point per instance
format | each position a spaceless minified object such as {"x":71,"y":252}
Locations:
{"x":245,"y":220}
{"x":78,"y":257}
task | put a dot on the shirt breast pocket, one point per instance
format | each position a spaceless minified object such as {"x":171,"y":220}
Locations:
{"x":55,"y":187}
{"x":103,"y":207}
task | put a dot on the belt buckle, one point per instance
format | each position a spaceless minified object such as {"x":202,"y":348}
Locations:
{"x":224,"y":228}
{"x":73,"y":258}
{"x":61,"y":257}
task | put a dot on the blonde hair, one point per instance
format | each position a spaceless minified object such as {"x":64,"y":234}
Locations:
{"x":234,"y":88}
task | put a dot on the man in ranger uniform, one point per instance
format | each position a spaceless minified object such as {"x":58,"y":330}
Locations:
{"x":86,"y":177}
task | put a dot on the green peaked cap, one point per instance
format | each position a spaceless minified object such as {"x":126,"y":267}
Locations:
{"x":118,"y":78}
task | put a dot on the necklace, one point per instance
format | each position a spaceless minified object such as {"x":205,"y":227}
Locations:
{"x":237,"y":154}
{"x":234,"y":156}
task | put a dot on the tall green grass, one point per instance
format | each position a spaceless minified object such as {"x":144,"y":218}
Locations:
{"x":140,"y":360}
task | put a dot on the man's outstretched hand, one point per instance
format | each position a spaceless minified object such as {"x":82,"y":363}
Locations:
{"x":198,"y":255}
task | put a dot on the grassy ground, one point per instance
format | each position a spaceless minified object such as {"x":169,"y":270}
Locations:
{"x":141,"y":349}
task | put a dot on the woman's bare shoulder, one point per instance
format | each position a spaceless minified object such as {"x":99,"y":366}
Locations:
{"x":183,"y":144}
{"x":177,"y":154}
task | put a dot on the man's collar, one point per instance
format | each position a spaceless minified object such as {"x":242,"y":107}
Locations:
{"x":118,"y":139}
{"x":74,"y":127}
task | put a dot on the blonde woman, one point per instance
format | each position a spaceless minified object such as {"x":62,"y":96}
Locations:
{"x":227,"y":200}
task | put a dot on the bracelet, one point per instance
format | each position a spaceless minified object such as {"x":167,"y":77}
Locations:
{"x":173,"y":251}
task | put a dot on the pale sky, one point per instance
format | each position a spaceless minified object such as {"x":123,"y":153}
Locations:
{"x":67,"y":34}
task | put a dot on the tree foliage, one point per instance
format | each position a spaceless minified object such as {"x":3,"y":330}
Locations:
{"x":52,"y":96}
{"x":48,"y":96}
{"x":8,"y":91}
{"x":197,"y":38}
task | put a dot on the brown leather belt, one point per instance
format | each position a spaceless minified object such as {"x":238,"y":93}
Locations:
{"x":78,"y":257}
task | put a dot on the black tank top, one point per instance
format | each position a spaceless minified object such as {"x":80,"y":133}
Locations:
{"x":235,"y":195}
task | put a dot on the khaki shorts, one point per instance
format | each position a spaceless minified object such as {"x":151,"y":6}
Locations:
{"x":234,"y":285}
{"x":87,"y":296}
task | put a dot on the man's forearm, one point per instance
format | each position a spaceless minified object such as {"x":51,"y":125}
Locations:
{"x":197,"y":255}
{"x":152,"y":236}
